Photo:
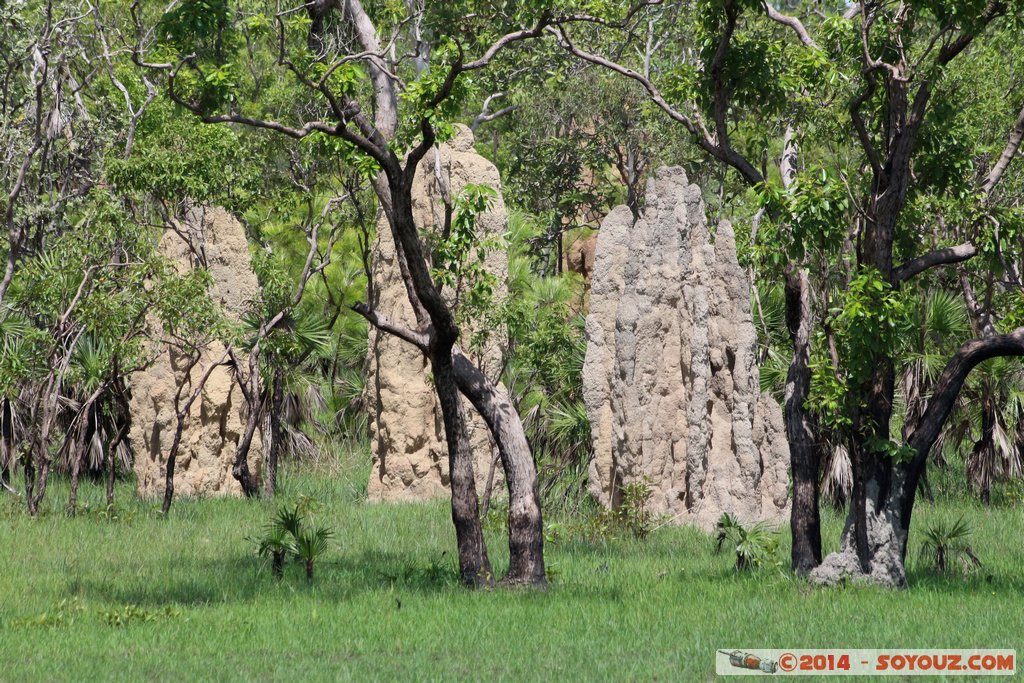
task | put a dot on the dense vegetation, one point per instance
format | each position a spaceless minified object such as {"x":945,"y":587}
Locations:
{"x":868,"y":154}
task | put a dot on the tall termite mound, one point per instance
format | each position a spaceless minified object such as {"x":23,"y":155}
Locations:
{"x":216,"y":420}
{"x":410,"y":459}
{"x":670,"y":378}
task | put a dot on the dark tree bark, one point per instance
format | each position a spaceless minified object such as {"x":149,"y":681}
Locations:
{"x":474,"y":565}
{"x":6,"y":441}
{"x":984,"y":447}
{"x":30,"y":482}
{"x":112,"y":447}
{"x":240,"y":468}
{"x":804,"y":451}
{"x":172,"y":459}
{"x":276,"y":433}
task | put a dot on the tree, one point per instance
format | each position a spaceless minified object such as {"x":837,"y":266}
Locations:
{"x":878,"y":69}
{"x":328,"y":50}
{"x":192,"y":330}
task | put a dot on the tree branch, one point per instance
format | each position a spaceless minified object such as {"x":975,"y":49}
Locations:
{"x":696,"y":129}
{"x":947,"y":389}
{"x":1012,"y":145}
{"x":939,"y":257}
{"x":381,"y":322}
{"x":791,"y":22}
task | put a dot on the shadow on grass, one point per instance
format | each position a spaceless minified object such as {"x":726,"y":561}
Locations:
{"x":977,"y":582}
{"x":245,"y":578}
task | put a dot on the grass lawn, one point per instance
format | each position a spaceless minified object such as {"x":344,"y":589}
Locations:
{"x":186,"y":599}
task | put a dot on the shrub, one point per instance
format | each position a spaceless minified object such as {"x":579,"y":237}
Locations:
{"x":945,"y":543}
{"x":755,"y":546}
{"x":288,"y":536}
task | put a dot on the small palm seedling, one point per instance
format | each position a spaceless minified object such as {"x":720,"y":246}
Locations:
{"x":277,"y":545}
{"x":310,"y":544}
{"x":287,"y":536}
{"x":945,"y":543}
{"x":754,"y":546}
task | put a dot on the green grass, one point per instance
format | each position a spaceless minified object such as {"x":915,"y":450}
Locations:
{"x":186,"y":598}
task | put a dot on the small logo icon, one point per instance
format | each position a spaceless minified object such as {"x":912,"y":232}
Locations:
{"x":787,"y":662}
{"x":745,"y":660}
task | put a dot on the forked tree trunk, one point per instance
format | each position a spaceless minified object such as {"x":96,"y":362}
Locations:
{"x":240,"y":468}
{"x":804,"y":452}
{"x":525,"y":525}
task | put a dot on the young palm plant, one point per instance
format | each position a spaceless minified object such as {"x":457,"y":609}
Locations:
{"x":275,"y":544}
{"x":945,"y":543}
{"x":754,"y":545}
{"x":309,"y":545}
{"x":287,"y":536}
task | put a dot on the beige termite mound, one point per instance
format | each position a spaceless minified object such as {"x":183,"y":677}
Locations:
{"x":670,"y":378}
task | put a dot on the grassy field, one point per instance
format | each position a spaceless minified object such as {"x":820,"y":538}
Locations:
{"x":186,"y":598}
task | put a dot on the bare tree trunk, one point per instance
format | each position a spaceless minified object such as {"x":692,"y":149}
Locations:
{"x":112,"y":447}
{"x":40,"y":450}
{"x":474,"y":566}
{"x":172,"y":459}
{"x":240,"y":468}
{"x":30,"y":482}
{"x":76,"y":467}
{"x":984,"y":448}
{"x":6,"y":441}
{"x":805,"y":520}
{"x":44,"y":477}
{"x":276,"y":433}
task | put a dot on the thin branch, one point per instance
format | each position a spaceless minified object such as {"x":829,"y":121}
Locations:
{"x":1012,"y":145}
{"x":696,"y":128}
{"x":381,"y":322}
{"x":791,"y":22}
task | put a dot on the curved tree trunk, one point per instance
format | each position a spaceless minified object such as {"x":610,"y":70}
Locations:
{"x":890,"y":489}
{"x":240,"y":468}
{"x":172,"y":459}
{"x":525,"y":524}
